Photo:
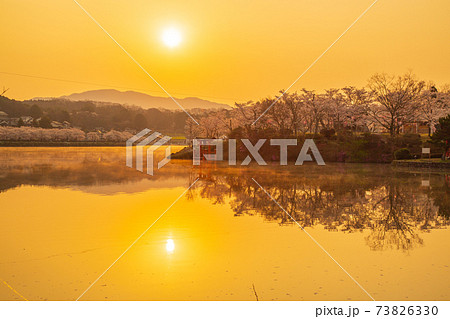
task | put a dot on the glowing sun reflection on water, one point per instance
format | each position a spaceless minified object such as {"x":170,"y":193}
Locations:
{"x":170,"y":246}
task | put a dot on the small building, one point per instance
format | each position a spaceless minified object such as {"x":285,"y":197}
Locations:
{"x":27,"y":120}
{"x":14,"y":121}
{"x":416,"y":128}
{"x":66,"y":124}
{"x":4,"y":116}
{"x":56,"y":124}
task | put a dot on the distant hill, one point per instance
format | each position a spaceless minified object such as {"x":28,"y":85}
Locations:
{"x":143,"y":100}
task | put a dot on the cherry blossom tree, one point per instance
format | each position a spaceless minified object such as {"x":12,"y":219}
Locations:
{"x":93,"y":137}
{"x":357,"y":101}
{"x":433,"y":105}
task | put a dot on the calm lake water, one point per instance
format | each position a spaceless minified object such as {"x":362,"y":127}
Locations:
{"x":68,"y":213}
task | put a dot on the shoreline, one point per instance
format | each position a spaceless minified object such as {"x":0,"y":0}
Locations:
{"x":186,"y":153}
{"x":65,"y":144}
{"x":429,"y":164}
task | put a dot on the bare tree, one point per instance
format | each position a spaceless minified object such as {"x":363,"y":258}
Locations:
{"x":192,"y":129}
{"x":395,"y":100}
{"x":336,"y":109}
{"x":315,"y":110}
{"x":249,"y":112}
{"x":277,"y":114}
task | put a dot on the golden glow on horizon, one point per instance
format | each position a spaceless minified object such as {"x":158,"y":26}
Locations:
{"x":227,"y":54}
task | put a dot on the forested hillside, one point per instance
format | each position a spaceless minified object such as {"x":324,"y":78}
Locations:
{"x":89,"y":116}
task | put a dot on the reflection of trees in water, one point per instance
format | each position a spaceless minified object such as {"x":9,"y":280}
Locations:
{"x":82,"y":174}
{"x":349,"y":198}
{"x":397,"y":216}
{"x":393,"y":207}
{"x":441,"y":196}
{"x":72,"y":167}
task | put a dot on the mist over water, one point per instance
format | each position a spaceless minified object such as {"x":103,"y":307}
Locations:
{"x":67,"y":214}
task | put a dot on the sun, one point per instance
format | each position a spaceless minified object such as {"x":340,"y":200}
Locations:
{"x":171,"y":37}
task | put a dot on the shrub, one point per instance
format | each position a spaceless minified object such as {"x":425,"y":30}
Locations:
{"x":413,"y":142}
{"x":328,"y":133}
{"x":402,"y":153}
{"x":368,"y":148}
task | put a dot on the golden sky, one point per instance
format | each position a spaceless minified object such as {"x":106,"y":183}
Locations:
{"x":231,"y":50}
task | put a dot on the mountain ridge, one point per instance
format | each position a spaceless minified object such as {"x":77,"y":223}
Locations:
{"x":143,"y":100}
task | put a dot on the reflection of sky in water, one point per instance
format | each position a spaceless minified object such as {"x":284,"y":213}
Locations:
{"x":384,"y":226}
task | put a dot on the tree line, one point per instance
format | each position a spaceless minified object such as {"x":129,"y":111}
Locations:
{"x":93,"y":116}
{"x":38,"y":134}
{"x":386,"y":104}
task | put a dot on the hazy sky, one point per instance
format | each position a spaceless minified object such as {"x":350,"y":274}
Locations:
{"x":231,"y":50}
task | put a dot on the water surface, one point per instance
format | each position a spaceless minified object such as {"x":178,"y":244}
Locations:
{"x":68,"y":213}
